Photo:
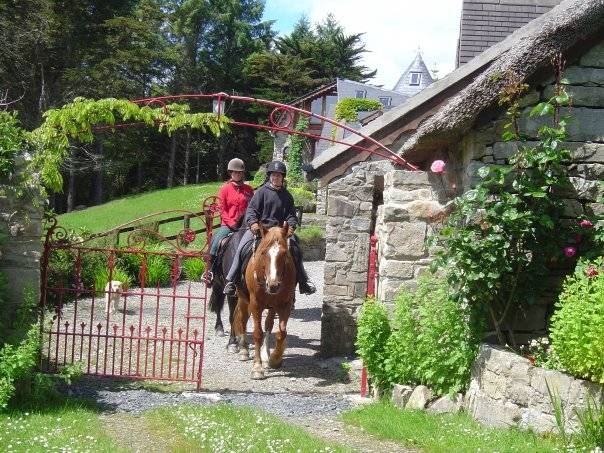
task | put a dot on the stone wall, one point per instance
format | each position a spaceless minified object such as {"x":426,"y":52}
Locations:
{"x":484,"y":145}
{"x":351,"y":213}
{"x":20,"y":220}
{"x":506,"y":390}
{"x":403,"y":224}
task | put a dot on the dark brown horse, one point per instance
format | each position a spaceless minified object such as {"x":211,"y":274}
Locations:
{"x":270,"y":283}
{"x":225,"y":255}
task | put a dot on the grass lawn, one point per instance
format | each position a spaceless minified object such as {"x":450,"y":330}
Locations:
{"x":224,"y":428}
{"x":104,"y":217}
{"x":67,"y":427}
{"x":444,"y":433}
{"x":117,"y":212}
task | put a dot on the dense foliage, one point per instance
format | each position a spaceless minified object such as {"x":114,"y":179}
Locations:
{"x":432,"y":340}
{"x":577,"y":325}
{"x":347,"y":109}
{"x":144,"y":48}
{"x":506,"y":235}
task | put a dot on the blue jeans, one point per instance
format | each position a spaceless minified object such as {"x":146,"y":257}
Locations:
{"x":218,"y":235}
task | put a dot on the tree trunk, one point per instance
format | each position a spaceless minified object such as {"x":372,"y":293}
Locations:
{"x":171,"y":161}
{"x":70,"y":189}
{"x":139,"y":175}
{"x":197,"y":171}
{"x":98,"y":172}
{"x":185,"y":178}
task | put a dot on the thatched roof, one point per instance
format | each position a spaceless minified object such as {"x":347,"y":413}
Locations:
{"x":456,"y":101}
{"x":523,"y":53}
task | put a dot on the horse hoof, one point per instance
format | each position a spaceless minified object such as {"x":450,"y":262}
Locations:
{"x":258,"y":375}
{"x":219,"y":332}
{"x":274,"y":364}
{"x":244,"y":355}
{"x":232,"y":348}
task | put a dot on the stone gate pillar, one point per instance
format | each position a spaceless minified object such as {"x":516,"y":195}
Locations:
{"x":351,"y":208}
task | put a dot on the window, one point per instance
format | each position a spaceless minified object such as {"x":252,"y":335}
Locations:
{"x":386,"y":101}
{"x":415,"y":78}
{"x":361,"y":94}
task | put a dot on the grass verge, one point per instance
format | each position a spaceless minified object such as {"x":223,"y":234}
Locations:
{"x":224,"y":428}
{"x":444,"y":433}
{"x":69,"y":426}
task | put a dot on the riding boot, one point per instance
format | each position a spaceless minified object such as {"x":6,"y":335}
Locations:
{"x":304,"y":285}
{"x":208,"y":275}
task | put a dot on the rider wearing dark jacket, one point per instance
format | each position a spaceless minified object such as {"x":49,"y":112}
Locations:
{"x":271,"y":205}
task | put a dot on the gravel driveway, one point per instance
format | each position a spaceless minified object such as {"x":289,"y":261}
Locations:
{"x":305,"y":385}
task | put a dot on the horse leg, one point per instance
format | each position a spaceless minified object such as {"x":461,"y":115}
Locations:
{"x":257,"y":370}
{"x":216,"y":304}
{"x":232,"y":345}
{"x":241,"y":317}
{"x":268,"y":328}
{"x":276,"y":358}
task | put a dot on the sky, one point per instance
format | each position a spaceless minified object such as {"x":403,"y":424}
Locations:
{"x":393,"y":30}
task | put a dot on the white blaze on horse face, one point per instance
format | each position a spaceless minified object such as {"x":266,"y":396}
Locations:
{"x":272,"y":253}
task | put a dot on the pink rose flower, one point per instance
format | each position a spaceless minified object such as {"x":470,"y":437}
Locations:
{"x":570,"y":251}
{"x":586,"y":223}
{"x":591,"y":271}
{"x":438,"y":166}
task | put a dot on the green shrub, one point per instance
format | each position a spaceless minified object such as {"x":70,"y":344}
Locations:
{"x":259,"y":178}
{"x":102,"y":278}
{"x":310,"y":234}
{"x":193,"y":268}
{"x":433,"y":340}
{"x":16,"y":364}
{"x":304,"y":198}
{"x":577,"y":325}
{"x":373,"y":331}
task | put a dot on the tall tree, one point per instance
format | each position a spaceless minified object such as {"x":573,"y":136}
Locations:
{"x":306,"y":59}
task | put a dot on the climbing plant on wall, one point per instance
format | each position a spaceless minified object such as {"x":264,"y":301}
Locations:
{"x":294,"y":155}
{"x":347,"y":109}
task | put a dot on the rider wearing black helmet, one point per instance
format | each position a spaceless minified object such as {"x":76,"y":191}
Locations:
{"x":271,"y":205}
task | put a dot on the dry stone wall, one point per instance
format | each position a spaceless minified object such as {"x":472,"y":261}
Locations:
{"x":351,"y":213}
{"x":506,"y":390}
{"x":484,"y":146}
{"x":20,"y":220}
{"x":410,"y":210}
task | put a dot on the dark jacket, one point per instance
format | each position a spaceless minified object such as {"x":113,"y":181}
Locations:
{"x":271,"y":207}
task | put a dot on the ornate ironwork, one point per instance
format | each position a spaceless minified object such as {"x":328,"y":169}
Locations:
{"x":281,"y":119}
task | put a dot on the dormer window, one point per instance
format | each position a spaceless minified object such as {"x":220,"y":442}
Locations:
{"x":386,"y":101}
{"x":361,"y":94}
{"x":415,"y":78}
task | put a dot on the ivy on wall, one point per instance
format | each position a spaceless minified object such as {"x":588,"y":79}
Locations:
{"x":346,"y":109}
{"x":294,"y":154}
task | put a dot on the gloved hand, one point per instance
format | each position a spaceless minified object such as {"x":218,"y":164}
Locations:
{"x":255,"y":228}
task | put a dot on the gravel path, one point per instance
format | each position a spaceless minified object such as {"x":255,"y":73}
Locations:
{"x":307,"y":391}
{"x":305,"y":385}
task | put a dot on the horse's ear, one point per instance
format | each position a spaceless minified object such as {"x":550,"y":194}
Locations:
{"x":285,"y":229}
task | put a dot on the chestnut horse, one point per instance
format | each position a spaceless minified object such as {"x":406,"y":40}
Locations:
{"x":270,"y":284}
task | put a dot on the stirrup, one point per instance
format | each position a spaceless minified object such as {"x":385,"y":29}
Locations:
{"x":229,"y":289}
{"x":307,"y":288}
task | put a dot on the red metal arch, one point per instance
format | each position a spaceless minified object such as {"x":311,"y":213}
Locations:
{"x":281,"y":119}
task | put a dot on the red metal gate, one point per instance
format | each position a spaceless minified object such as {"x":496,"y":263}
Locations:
{"x":154,"y":325}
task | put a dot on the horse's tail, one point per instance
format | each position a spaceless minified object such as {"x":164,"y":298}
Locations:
{"x":216,"y":299}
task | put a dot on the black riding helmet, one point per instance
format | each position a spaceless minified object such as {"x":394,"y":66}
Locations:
{"x":276,"y":166}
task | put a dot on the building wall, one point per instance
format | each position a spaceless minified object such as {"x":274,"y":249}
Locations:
{"x":20,"y":219}
{"x":414,"y":203}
